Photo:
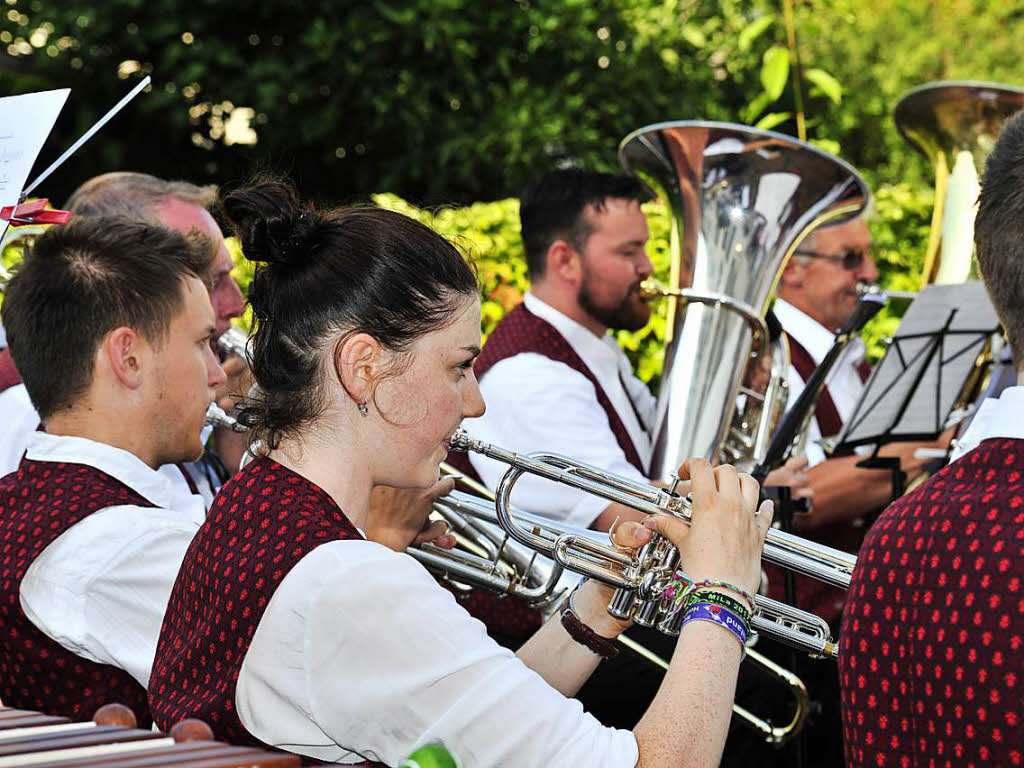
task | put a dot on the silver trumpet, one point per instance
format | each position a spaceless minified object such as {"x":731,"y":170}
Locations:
{"x":216,"y":417}
{"x":234,"y":341}
{"x":640,"y":578}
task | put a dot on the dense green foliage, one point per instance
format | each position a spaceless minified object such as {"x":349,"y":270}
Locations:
{"x":446,"y":101}
{"x":451,"y":101}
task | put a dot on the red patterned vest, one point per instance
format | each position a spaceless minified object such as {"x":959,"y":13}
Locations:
{"x":38,"y":503}
{"x":262,"y":523}
{"x":522,"y":331}
{"x":931,"y":658}
{"x":813,"y":595}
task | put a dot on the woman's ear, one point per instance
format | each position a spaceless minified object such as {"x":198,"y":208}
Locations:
{"x":357,"y":363}
{"x":123,"y":351}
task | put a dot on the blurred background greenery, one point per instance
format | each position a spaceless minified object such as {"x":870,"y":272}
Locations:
{"x":447,"y":108}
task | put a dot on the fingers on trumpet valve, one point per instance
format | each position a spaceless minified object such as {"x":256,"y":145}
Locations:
{"x":438,"y":533}
{"x":627,"y":534}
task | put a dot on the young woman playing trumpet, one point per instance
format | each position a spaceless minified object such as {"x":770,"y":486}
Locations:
{"x":288,"y":628}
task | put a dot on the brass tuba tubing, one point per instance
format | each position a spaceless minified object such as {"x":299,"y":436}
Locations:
{"x":628,"y":572}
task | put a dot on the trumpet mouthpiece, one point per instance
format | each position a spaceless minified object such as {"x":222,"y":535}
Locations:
{"x":652,"y":289}
{"x":460,"y":441}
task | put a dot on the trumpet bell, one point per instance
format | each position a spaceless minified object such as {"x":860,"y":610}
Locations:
{"x":740,"y":200}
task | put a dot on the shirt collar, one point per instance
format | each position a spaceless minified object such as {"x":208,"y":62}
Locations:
{"x":812,"y":335}
{"x":120,"y":464}
{"x":996,"y":417}
{"x":601,"y":352}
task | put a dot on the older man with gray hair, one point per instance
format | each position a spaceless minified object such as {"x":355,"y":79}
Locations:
{"x":181,"y":206}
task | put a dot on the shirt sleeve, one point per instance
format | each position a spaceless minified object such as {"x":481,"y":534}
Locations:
{"x":20,"y":420}
{"x":522,"y":393}
{"x":361,"y":653}
{"x":100,"y":589}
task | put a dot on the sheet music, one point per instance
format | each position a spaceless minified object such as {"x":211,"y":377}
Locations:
{"x":25,"y":122}
{"x":913,"y":388}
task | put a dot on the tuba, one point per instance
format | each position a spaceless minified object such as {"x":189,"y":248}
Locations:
{"x":740,"y":201}
{"x":954,"y":124}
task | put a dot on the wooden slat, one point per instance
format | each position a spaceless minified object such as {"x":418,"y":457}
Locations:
{"x":41,"y":730}
{"x":68,"y":752}
{"x":100,"y":734}
{"x":22,"y":718}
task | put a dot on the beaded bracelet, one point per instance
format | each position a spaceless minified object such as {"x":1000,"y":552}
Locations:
{"x":723,"y":617}
{"x":707,"y":595}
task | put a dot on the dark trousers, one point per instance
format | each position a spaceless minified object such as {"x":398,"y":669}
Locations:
{"x":821,"y":740}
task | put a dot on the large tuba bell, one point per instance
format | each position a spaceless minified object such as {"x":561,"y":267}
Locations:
{"x":955,"y":124}
{"x":740,"y":201}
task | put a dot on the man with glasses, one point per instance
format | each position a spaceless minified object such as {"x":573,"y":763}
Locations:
{"x":816,"y":294}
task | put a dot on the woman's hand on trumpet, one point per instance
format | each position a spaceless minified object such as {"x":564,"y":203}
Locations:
{"x":727,"y":528}
{"x":400,"y":517}
{"x":591,"y":600}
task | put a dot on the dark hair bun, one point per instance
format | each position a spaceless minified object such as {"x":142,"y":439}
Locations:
{"x":273,"y":226}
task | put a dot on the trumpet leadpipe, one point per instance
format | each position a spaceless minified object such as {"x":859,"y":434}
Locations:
{"x":234,"y":341}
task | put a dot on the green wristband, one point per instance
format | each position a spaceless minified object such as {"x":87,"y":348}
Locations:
{"x":709,"y":595}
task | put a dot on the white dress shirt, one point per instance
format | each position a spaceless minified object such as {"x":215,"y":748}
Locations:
{"x":537,"y":404}
{"x":360,"y":649}
{"x":21,"y":421}
{"x":844,"y":384}
{"x":100,"y":589}
{"x":1001,"y":416}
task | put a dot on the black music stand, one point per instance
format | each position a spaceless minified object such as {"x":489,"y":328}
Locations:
{"x":924,"y":382}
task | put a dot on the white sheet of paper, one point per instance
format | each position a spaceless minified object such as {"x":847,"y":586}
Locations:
{"x":25,"y":122}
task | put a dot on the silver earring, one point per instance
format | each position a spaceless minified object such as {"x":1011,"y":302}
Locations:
{"x":363,"y":409}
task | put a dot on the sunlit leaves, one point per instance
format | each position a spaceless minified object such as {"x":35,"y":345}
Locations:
{"x":775,"y":71}
{"x":773,"y":119}
{"x":826,"y":83}
{"x":752,"y":31}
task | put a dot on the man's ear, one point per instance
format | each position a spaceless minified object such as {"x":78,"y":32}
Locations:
{"x":357,"y":363}
{"x":125,"y":353}
{"x":794,"y":273}
{"x":565,"y":262}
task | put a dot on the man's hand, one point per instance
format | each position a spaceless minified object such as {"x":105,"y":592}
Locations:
{"x":400,"y":517}
{"x":909,"y":463}
{"x":794,"y":474}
